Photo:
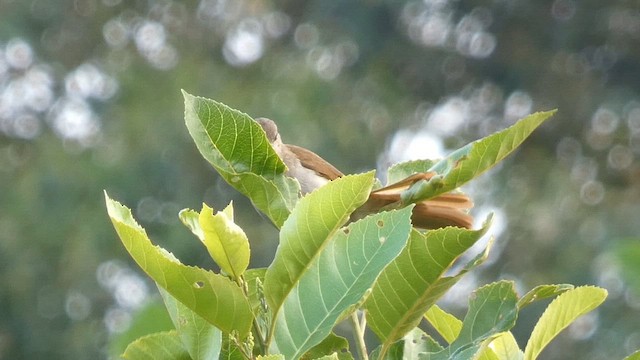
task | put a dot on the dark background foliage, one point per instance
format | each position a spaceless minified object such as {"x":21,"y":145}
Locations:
{"x":90,"y":100}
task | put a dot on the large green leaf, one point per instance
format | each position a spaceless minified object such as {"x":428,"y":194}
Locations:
{"x":415,"y":280}
{"x":238,"y":149}
{"x":562,"y":311}
{"x":202,"y":340}
{"x":226,"y":242}
{"x":212,"y":296}
{"x":158,"y":346}
{"x":337,"y":278}
{"x":473,"y":159}
{"x":312,"y":223}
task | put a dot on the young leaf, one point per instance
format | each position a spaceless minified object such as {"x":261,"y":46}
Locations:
{"x":337,"y":278}
{"x":542,"y":292}
{"x":473,"y":159}
{"x":505,"y":347}
{"x":202,"y":340}
{"x":447,"y":325}
{"x":226,"y":242}
{"x":562,"y":311}
{"x":212,"y":296}
{"x":312,"y":223}
{"x":158,"y":346}
{"x":238,"y":149}
{"x":415,"y":280}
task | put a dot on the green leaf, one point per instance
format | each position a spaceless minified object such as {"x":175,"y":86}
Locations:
{"x":403,"y":170}
{"x":339,"y":277}
{"x":230,"y":350}
{"x":416,"y":343}
{"x":543,"y":292}
{"x":492,"y":310}
{"x":158,"y":346}
{"x":212,"y":296}
{"x":473,"y":159}
{"x":447,"y":325}
{"x":332,"y":344}
{"x":202,"y":340}
{"x":562,"y":311}
{"x":151,"y":318}
{"x":314,"y":220}
{"x":226,"y":242}
{"x":505,"y":347}
{"x":238,"y":149}
{"x":415,"y":280}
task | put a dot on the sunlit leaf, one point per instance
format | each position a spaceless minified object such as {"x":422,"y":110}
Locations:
{"x":202,"y":340}
{"x":312,"y":223}
{"x":416,"y":343}
{"x":238,"y":149}
{"x":505,"y":347}
{"x":158,"y":346}
{"x":338,"y":277}
{"x":212,"y":296}
{"x":562,"y":311}
{"x":473,"y":159}
{"x":226,"y":242}
{"x":447,"y":325}
{"x":415,"y":280}
{"x":543,"y":292}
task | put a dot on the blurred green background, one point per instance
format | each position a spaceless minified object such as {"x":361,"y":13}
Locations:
{"x":90,"y":100}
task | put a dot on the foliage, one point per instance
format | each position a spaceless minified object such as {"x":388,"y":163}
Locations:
{"x":377,"y":270}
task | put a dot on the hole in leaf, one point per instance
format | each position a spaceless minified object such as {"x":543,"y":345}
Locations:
{"x":380,"y":223}
{"x":345,"y":231}
{"x":198,"y":284}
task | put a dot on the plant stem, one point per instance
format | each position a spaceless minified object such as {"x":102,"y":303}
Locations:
{"x":358,"y":328}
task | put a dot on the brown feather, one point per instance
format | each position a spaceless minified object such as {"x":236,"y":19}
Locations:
{"x":320,"y":165}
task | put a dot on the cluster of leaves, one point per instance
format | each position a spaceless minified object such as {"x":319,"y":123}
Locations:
{"x":379,"y":272}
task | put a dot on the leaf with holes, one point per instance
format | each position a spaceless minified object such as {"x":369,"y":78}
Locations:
{"x":415,"y":280}
{"x":212,"y":296}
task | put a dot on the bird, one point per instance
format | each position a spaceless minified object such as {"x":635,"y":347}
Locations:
{"x":312,"y":172}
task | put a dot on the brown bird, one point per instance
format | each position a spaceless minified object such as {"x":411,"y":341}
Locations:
{"x":312,"y":171}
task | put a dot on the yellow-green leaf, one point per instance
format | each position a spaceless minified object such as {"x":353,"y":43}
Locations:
{"x":212,"y":296}
{"x":226,"y":242}
{"x":562,"y":311}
